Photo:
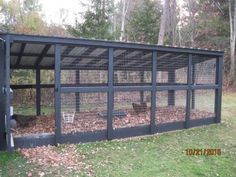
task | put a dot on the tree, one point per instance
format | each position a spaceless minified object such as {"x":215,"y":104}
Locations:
{"x":232,"y":17}
{"x":22,"y":17}
{"x":163,"y":23}
{"x":143,"y":23}
{"x":125,"y":7}
{"x":97,"y":23}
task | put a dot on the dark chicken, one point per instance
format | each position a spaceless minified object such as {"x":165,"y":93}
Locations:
{"x":140,"y":108}
{"x":24,"y":121}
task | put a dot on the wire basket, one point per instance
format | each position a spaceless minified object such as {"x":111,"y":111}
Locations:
{"x":68,"y":117}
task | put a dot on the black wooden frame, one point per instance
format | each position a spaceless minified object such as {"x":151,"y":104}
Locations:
{"x":110,"y":88}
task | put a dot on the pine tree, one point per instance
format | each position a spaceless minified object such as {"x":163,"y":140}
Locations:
{"x":143,"y":25}
{"x":97,"y":23}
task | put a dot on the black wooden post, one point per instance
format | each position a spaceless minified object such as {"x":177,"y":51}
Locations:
{"x":153,"y":93}
{"x":110,"y":103}
{"x":57,"y":93}
{"x":2,"y":96}
{"x":218,"y":91}
{"x":188,"y":98}
{"x":142,"y":81}
{"x":38,"y":92}
{"x":77,"y":95}
{"x":193,"y":82}
{"x":171,"y":93}
{"x":7,"y":93}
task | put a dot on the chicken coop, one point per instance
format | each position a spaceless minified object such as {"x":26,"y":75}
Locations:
{"x":102,"y":90}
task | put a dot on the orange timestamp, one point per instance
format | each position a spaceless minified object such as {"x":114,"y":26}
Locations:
{"x":207,"y":152}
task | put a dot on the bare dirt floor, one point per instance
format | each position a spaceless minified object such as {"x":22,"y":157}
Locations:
{"x":92,"y":121}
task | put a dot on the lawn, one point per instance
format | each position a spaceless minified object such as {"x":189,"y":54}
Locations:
{"x":158,"y":155}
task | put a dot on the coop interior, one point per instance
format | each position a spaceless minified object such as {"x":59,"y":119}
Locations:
{"x":86,"y":67}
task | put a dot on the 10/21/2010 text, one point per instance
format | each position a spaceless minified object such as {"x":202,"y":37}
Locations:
{"x":206,"y":152}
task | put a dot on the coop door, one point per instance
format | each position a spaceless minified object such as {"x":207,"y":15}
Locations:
{"x":2,"y":98}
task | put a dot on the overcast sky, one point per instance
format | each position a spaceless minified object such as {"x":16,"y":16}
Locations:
{"x":51,"y":9}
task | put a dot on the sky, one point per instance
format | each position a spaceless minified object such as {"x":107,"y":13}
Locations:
{"x":51,"y":10}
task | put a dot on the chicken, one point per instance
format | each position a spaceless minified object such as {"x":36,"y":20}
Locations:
{"x":140,"y":108}
{"x":24,"y":121}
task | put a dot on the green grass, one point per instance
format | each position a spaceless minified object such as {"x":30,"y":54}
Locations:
{"x":158,"y":155}
{"x":29,"y":110}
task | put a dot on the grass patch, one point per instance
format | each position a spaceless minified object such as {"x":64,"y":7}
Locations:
{"x":159,"y":155}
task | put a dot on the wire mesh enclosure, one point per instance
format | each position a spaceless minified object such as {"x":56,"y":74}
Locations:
{"x":131,"y":109}
{"x":132,"y":67}
{"x":88,"y":113}
{"x":171,"y":106}
{"x":172,"y":69}
{"x":24,"y":101}
{"x":97,"y":90}
{"x":84,"y":65}
{"x":202,"y":104}
{"x":204,"y":70}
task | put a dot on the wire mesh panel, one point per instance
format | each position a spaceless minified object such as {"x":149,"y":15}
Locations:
{"x":171,"y":106}
{"x":132,"y":66}
{"x":93,"y":76}
{"x":47,"y":101}
{"x":23,"y":76}
{"x":204,"y":70}
{"x":84,"y":65}
{"x":83,"y":114}
{"x":131,"y":109}
{"x":162,"y":77}
{"x":202,"y":104}
{"x":172,"y":68}
{"x":24,"y":101}
{"x":47,"y":76}
{"x":181,"y":75}
{"x":24,"y":114}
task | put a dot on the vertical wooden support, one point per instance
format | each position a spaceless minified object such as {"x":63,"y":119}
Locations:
{"x":142,"y":81}
{"x":153,"y":93}
{"x":57,"y":93}
{"x":188,"y":99}
{"x":38,"y":92}
{"x":193,"y":82}
{"x":77,"y":95}
{"x":110,"y":103}
{"x":2,"y":96}
{"x":7,"y":93}
{"x":171,"y":93}
{"x":218,"y":91}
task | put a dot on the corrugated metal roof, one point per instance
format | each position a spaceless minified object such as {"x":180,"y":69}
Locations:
{"x":95,"y":57}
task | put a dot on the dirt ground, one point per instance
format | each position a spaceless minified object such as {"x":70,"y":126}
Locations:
{"x":92,"y":121}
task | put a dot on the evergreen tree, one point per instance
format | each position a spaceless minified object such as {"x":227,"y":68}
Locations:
{"x":97,"y":23}
{"x":144,"y":22}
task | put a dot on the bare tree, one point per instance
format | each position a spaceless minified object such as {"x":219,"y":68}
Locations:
{"x":232,"y":17}
{"x":171,"y":22}
{"x":125,"y":6}
{"x":163,"y":23}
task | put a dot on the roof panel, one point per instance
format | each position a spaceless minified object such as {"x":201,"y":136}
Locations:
{"x":15,"y":48}
{"x":97,"y":52}
{"x":51,"y":50}
{"x":47,"y":61}
{"x":28,"y":61}
{"x":34,"y":48}
{"x":13,"y":60}
{"x":78,"y":50}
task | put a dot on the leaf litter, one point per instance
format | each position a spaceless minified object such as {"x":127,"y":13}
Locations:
{"x":63,"y":156}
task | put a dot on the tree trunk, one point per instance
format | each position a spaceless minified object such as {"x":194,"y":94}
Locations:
{"x":232,"y":17}
{"x":173,"y":15}
{"x":163,"y":23}
{"x":125,"y":6}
